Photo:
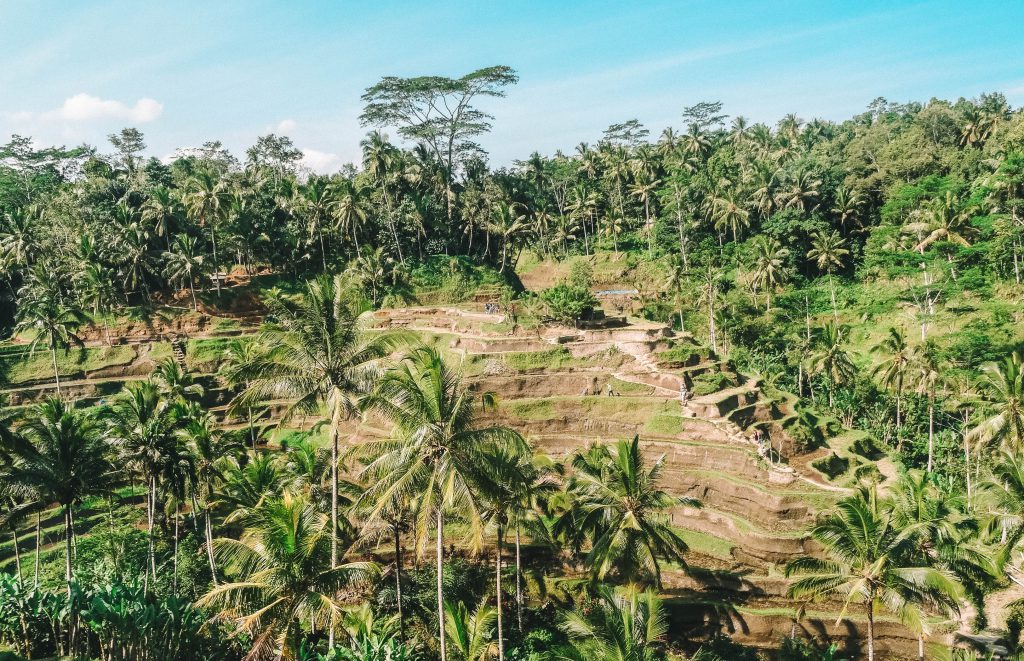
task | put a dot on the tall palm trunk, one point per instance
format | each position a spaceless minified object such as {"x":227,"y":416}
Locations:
{"x":832,"y":292}
{"x":150,"y":516}
{"x":519,"y":584}
{"x":175,"y":576}
{"x":69,"y":534}
{"x":440,"y":583}
{"x":17,"y":553}
{"x":497,"y":583}
{"x":216,"y":262}
{"x":871,"y":628}
{"x":398,"y":581}
{"x":208,"y":530}
{"x":39,"y":538}
{"x":931,"y":431}
{"x":56,"y":372}
{"x":335,"y":422}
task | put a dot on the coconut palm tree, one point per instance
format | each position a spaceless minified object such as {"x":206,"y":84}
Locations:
{"x":509,"y":224}
{"x":212,"y":451}
{"x":285,"y":574}
{"x":847,"y":207}
{"x":942,"y":220}
{"x":928,"y":369}
{"x":770,"y":268}
{"x":437,"y":451}
{"x":349,"y":210}
{"x":183,"y":263}
{"x":162,"y":210}
{"x":42,"y":314}
{"x":828,"y":251}
{"x":470,"y":634}
{"x":1003,"y":383}
{"x":728,"y":213}
{"x":624,"y":624}
{"x":58,"y":457}
{"x":623,"y":511}
{"x":141,"y":425}
{"x":830,"y":358}
{"x":97,"y":293}
{"x":897,"y":359}
{"x":206,"y":199}
{"x":869,"y":561}
{"x":381,"y":162}
{"x":320,"y":356}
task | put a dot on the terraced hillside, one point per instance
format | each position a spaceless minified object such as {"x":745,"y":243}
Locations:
{"x":730,"y":444}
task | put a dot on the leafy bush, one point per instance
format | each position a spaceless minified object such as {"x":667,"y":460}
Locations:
{"x":568,"y":304}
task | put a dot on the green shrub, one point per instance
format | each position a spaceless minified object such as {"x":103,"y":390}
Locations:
{"x":568,"y":304}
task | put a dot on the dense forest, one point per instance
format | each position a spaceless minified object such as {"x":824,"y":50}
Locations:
{"x":869,"y":268}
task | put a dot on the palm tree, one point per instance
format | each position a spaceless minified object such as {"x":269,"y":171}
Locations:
{"x":162,"y":209}
{"x":622,"y":508}
{"x":828,"y":252}
{"x":831,"y":359}
{"x":897,"y":358}
{"x":928,"y":370}
{"x":380,"y":160}
{"x":317,"y":353}
{"x":437,"y":452}
{"x":847,"y":207}
{"x":1004,"y":385}
{"x":728,"y":213}
{"x":470,"y":635}
{"x":41,"y":313}
{"x":870,"y":561}
{"x":349,"y":211}
{"x":507,"y":223}
{"x":183,"y":263}
{"x":770,"y":268}
{"x":206,"y":199}
{"x":211,"y":450}
{"x":675,"y":280}
{"x":98,"y":293}
{"x":142,"y":426}
{"x":803,"y":191}
{"x":286,"y":574}
{"x":941,"y":220}
{"x":317,"y":202}
{"x":623,"y":625}
{"x":58,"y":457}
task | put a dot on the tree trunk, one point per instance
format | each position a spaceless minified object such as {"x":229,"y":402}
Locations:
{"x":150,"y":516}
{"x":497,"y":583}
{"x":899,"y":402}
{"x":216,"y":263}
{"x":209,"y":543}
{"x":174,"y":583}
{"x":519,"y":583}
{"x":398,"y":582}
{"x":17,"y":553}
{"x":69,"y":533}
{"x":335,"y":422}
{"x":440,"y":583}
{"x":920,"y":647}
{"x":56,"y":372}
{"x":39,"y":539}
{"x":871,"y":630}
{"x":192,"y":290}
{"x":931,"y":433}
{"x":832,"y":291}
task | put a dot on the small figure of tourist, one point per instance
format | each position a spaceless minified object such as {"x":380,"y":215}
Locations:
{"x":611,"y":393}
{"x":684,"y":392}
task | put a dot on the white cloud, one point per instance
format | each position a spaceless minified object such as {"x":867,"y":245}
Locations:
{"x":87,"y":108}
{"x":320,"y":162}
{"x":286,"y":126}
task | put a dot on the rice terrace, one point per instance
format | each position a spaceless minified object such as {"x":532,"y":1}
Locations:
{"x":457,"y":332}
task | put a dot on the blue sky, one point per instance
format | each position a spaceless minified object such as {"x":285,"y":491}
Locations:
{"x":74,"y":71}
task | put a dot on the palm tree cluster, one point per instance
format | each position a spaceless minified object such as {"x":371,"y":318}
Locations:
{"x":295,"y":540}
